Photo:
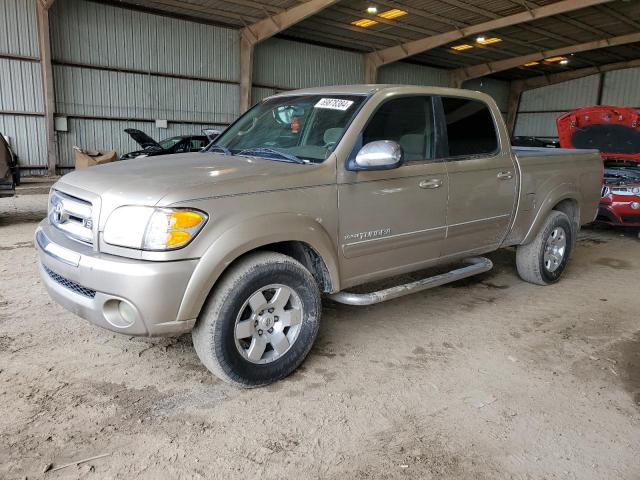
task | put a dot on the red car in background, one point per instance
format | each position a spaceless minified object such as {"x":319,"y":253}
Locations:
{"x":615,"y":131}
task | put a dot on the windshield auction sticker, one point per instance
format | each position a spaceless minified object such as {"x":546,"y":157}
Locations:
{"x":334,"y":103}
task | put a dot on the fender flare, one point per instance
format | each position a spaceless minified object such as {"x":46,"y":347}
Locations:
{"x":240,"y":239}
{"x":564,"y":191}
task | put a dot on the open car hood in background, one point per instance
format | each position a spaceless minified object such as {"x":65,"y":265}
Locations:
{"x":142,"y":139}
{"x":6,"y":160}
{"x":615,"y":131}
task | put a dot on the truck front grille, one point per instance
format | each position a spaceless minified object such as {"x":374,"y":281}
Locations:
{"x":72,"y":215}
{"x":69,"y":284}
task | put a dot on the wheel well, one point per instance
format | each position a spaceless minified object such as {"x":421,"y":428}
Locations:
{"x":307,"y":256}
{"x":571,"y":209}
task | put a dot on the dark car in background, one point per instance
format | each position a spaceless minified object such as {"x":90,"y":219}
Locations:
{"x":168,"y":146}
{"x":9,"y":173}
{"x":542,"y":142}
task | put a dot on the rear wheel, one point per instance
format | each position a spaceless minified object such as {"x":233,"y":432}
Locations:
{"x":544,"y":259}
{"x":260,"y":322}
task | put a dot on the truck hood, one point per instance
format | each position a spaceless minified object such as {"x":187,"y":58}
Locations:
{"x":167,"y":179}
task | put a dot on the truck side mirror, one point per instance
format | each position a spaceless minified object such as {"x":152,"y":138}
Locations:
{"x":380,"y":155}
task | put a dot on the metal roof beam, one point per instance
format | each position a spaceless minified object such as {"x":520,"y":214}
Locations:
{"x":270,"y":26}
{"x":467,"y":73}
{"x":379,"y":58}
{"x":253,"y":34}
{"x":545,"y":80}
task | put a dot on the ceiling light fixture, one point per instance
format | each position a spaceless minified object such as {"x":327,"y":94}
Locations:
{"x":393,"y":13}
{"x":364,"y":22}
{"x":488,"y":41}
{"x":554,"y":59}
{"x":564,"y":62}
{"x":531,"y":64}
{"x":372,"y":10}
{"x":460,"y":48}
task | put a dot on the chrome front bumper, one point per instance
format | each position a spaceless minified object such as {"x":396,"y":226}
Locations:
{"x":128,"y":296}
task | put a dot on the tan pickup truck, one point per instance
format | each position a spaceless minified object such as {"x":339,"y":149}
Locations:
{"x":311,"y":192}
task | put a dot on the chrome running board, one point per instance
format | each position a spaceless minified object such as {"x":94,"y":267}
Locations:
{"x":475,"y":265}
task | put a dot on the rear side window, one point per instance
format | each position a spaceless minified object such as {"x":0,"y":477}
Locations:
{"x":408,"y":121}
{"x":470,"y":127}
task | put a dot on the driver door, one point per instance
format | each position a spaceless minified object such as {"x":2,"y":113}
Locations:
{"x":394,"y":221}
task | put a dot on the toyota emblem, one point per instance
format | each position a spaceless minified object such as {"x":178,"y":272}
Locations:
{"x":58,"y":211}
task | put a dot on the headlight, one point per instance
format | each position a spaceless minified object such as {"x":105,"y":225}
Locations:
{"x":149,"y":228}
{"x":625,"y":190}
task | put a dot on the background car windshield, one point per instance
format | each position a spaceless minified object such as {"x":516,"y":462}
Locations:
{"x":307,"y":126}
{"x":169,"y":142}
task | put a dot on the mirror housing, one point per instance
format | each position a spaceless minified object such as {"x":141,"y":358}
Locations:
{"x":379,"y":155}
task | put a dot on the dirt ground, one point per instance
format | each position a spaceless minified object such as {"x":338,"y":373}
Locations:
{"x":489,"y":378}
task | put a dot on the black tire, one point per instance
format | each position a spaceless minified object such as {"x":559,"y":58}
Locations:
{"x":530,"y":257}
{"x":213,"y":335}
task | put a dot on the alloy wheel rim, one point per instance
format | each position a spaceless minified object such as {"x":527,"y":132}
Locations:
{"x":268,"y":324}
{"x":555,"y":249}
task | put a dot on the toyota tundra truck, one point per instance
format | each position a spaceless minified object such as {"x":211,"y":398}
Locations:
{"x":309,"y":193}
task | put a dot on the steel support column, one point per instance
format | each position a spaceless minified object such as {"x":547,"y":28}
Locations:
{"x":44,"y":41}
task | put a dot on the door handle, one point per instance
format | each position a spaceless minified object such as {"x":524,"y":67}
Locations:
{"x":431,"y":183}
{"x":505,"y":175}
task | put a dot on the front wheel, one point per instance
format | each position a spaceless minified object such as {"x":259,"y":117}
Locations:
{"x":544,"y":259}
{"x":260,"y":322}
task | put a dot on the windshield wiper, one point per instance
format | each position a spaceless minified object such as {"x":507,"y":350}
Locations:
{"x":270,"y":153}
{"x":220,"y":148}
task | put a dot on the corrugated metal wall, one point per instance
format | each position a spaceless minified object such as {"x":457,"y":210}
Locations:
{"x":19,"y":29}
{"x":21,"y":98}
{"x":286,"y":64}
{"x":20,"y":86}
{"x":562,"y":96}
{"x":114,"y":68}
{"x":411,"y":74}
{"x":90,"y":33}
{"x":106,"y":94}
{"x":539,"y":108}
{"x":622,"y":87}
{"x":498,"y":89}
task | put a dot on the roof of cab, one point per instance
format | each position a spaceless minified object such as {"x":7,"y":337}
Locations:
{"x":369,"y":89}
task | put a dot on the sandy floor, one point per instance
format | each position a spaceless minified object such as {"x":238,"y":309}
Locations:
{"x":490,"y":378}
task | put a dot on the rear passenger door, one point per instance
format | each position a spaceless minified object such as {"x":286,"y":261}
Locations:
{"x":482,"y":177}
{"x":394,"y":220}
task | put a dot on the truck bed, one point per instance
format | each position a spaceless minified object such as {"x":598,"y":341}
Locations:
{"x":547,"y":173}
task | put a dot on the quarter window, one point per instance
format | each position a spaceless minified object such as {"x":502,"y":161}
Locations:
{"x":408,"y":121}
{"x":470,"y":127}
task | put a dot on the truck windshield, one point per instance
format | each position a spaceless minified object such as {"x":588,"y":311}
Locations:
{"x":306,"y":127}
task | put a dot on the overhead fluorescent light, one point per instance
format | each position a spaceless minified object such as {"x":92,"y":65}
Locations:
{"x":554,"y":59}
{"x":461,"y":47}
{"x":364,"y":22}
{"x":488,"y":41}
{"x":564,"y":62}
{"x":531,"y":64}
{"x":393,"y":13}
{"x":372,"y":10}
